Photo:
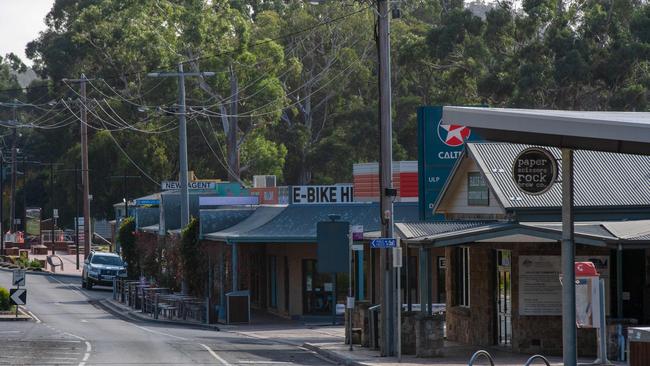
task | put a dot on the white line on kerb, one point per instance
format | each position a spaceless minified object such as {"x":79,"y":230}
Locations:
{"x":34,"y":316}
{"x":216,"y":356}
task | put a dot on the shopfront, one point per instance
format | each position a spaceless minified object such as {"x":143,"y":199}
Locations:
{"x":503,"y":274}
{"x":273,"y":254}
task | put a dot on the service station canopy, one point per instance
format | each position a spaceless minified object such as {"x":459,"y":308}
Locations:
{"x":623,"y":132}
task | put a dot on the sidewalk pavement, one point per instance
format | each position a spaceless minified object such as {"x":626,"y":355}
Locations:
{"x":327,"y":341}
{"x":69,"y":263}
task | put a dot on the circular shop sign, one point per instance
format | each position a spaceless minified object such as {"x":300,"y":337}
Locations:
{"x":534,"y":170}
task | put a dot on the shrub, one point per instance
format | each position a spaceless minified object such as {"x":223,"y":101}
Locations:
{"x":34,"y":264}
{"x":4,"y":299}
{"x":22,"y":262}
{"x":126,"y":236}
{"x":192,"y":258}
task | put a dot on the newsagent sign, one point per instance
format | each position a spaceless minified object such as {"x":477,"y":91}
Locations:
{"x":534,"y":171}
{"x":340,"y":193}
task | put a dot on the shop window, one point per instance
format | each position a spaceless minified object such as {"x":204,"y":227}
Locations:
{"x":478,"y":193}
{"x":462,"y":277}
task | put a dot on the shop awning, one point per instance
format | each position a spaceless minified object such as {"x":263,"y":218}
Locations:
{"x":261,"y":216}
{"x":624,"y":132}
{"x":630,"y":234}
{"x":297,"y":223}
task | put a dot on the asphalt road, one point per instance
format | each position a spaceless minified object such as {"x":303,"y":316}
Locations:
{"x":71,"y":330}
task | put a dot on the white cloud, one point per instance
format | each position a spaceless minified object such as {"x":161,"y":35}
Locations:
{"x":20,"y":22}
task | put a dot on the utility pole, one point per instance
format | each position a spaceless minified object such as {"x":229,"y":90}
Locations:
{"x":24,"y":215}
{"x":52,"y":203}
{"x":388,"y":306}
{"x":2,"y":194}
{"x":12,"y":199}
{"x":85,"y":182}
{"x":76,"y":212}
{"x":182,"y":135}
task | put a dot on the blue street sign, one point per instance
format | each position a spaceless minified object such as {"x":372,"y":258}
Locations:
{"x":383,"y":243}
{"x":147,"y":202}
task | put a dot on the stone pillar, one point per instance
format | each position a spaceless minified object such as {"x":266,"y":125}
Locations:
{"x":429,"y":335}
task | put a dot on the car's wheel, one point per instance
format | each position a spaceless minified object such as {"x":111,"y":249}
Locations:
{"x":83,"y":283}
{"x":89,"y":284}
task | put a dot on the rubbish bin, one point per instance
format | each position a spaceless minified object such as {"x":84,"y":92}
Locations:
{"x":373,"y":319}
{"x":638,"y":343}
{"x":238,"y":307}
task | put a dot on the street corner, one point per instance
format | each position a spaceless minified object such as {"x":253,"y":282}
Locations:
{"x":21,"y":315}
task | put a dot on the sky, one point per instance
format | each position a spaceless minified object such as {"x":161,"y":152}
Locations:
{"x":20,"y":22}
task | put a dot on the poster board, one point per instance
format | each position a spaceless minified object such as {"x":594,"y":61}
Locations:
{"x":540,"y":291}
{"x":32,"y":224}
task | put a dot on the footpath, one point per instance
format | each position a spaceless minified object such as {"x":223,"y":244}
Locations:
{"x":327,"y":341}
{"x":69,"y":265}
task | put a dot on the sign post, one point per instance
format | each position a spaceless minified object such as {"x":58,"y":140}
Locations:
{"x":17,"y":295}
{"x":397,"y":263}
{"x":18,"y":277}
{"x":333,"y":250}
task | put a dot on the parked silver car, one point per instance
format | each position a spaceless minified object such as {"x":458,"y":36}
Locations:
{"x":100,"y":269}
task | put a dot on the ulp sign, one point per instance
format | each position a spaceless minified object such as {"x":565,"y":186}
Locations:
{"x":440,"y":144}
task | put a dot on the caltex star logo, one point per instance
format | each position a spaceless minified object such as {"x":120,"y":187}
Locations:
{"x":452,"y":135}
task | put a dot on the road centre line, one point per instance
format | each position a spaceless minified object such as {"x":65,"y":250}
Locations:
{"x":264,"y":362}
{"x":216,"y":356}
{"x":160,"y":333}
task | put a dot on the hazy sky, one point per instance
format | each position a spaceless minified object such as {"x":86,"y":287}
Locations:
{"x":20,"y":22}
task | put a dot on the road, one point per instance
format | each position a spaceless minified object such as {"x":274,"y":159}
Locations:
{"x":73,"y":330}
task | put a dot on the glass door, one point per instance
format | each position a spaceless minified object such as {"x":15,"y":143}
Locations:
{"x":503,"y":298}
{"x":317,"y":290}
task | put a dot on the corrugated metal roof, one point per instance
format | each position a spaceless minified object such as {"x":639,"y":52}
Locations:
{"x":601,"y":178}
{"x":214,"y":220}
{"x":409,"y":230}
{"x":261,"y":216}
{"x":297,"y":223}
{"x":594,"y":229}
{"x":630,"y":230}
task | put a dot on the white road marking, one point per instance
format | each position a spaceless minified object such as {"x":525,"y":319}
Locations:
{"x":264,"y":362}
{"x":84,"y":321}
{"x":74,"y":336}
{"x":10,"y":331}
{"x":34,"y":316}
{"x":216,"y":356}
{"x":160,"y":333}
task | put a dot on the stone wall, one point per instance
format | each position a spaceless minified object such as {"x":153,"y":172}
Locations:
{"x":479,"y":316}
{"x":530,"y":334}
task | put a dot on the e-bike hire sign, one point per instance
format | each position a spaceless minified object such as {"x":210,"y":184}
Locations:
{"x":440,"y":144}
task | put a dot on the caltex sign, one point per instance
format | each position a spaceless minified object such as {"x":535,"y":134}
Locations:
{"x":440,"y":144}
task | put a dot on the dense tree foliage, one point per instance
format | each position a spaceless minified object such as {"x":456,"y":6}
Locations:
{"x":295,"y":89}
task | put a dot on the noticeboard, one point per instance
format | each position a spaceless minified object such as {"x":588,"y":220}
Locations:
{"x":333,"y":246}
{"x":33,"y":222}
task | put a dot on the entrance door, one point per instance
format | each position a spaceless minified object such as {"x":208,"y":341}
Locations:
{"x":503,"y":298}
{"x":317,"y":290}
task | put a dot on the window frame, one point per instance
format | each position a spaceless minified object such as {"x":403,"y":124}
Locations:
{"x":487,"y":190}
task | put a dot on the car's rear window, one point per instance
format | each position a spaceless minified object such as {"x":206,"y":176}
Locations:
{"x":107,"y":260}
